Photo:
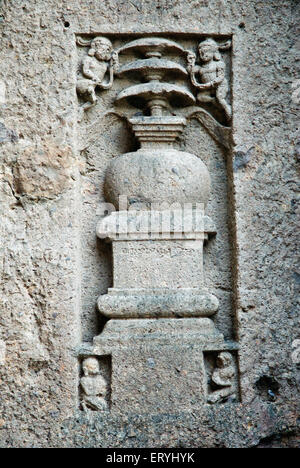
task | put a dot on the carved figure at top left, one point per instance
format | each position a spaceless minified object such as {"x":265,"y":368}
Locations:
{"x":96,"y":69}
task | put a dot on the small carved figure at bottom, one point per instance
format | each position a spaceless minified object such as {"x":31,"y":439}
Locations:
{"x":94,"y":386}
{"x":223,"y":376}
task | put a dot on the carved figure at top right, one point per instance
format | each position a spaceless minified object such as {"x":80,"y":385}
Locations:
{"x":213,"y":84}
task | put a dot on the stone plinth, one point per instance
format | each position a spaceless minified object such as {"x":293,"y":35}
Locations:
{"x":157,"y":264}
{"x":170,"y":264}
{"x":157,"y":354}
{"x":157,"y":364}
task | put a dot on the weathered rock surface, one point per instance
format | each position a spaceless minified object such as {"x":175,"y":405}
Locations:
{"x":43,"y":174}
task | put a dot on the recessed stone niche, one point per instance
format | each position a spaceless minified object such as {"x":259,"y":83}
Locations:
{"x":157,"y":140}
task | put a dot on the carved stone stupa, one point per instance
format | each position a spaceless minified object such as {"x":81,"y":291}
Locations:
{"x":158,"y":307}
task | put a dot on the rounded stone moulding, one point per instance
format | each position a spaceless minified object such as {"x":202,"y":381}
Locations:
{"x":152,"y":64}
{"x":151,"y":45}
{"x":172,"y":304}
{"x":157,"y":173}
{"x":138,"y":95}
{"x":157,"y":176}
